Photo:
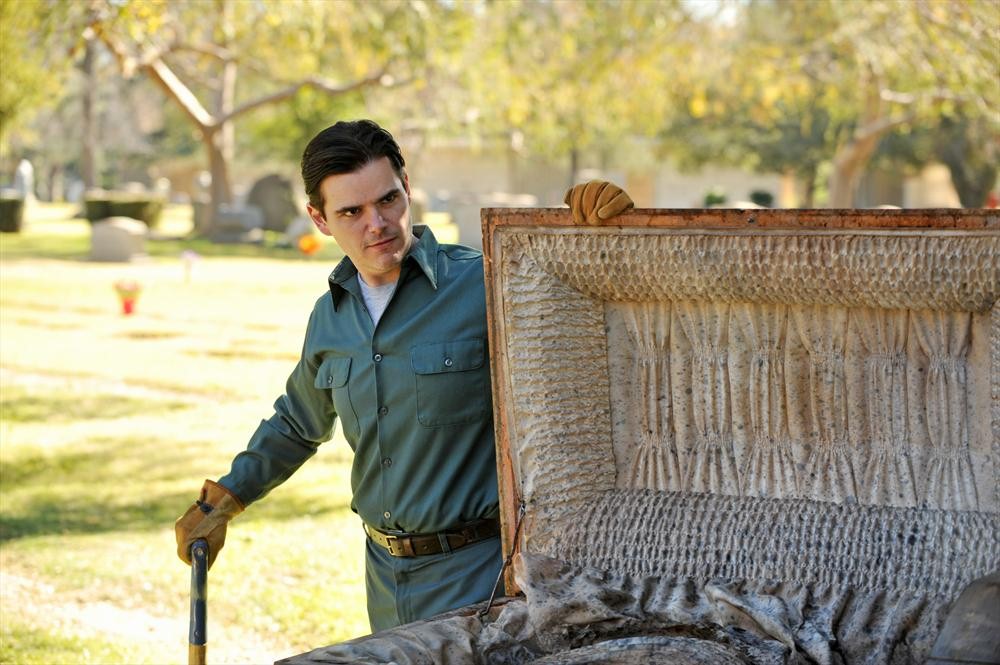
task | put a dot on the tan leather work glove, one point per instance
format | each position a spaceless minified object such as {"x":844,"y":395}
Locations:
{"x":207,"y":518}
{"x":596,"y":201}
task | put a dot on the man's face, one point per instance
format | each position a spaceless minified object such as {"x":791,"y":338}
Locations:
{"x":368,"y":213}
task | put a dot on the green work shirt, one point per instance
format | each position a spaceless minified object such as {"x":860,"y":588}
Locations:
{"x":412,"y":394}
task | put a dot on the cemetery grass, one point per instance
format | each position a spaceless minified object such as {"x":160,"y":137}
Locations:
{"x":56,"y":230}
{"x":108,"y":426}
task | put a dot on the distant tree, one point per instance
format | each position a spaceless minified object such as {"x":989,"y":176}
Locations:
{"x":33,"y":63}
{"x":220,"y":61}
{"x":787,"y":86}
{"x":971,"y":151}
{"x":970,"y":148}
{"x":565,"y":78}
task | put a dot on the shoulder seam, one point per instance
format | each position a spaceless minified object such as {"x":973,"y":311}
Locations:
{"x":450,"y":250}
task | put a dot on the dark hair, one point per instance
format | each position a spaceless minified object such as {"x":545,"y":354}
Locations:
{"x":344,"y":148}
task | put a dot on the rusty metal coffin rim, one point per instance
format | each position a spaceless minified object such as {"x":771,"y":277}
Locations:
{"x":737,"y":218}
{"x":937,"y":221}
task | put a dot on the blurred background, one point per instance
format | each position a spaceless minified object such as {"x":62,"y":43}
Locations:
{"x":687,"y":103}
{"x":156,"y":270}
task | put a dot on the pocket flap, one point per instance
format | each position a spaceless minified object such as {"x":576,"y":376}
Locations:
{"x":441,"y":357}
{"x":333,"y":372}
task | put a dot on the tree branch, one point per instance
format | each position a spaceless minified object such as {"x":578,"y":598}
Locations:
{"x":320,"y":84}
{"x":908,"y":98}
{"x":880,"y":126}
{"x":160,"y":72}
{"x":210,"y":50}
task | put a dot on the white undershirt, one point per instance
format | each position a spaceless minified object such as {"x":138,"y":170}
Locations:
{"x":376,"y":297}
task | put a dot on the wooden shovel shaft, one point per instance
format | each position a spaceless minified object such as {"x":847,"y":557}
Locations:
{"x":199,"y":597}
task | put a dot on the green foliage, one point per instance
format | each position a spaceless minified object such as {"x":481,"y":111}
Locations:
{"x":144,"y":208}
{"x":967,"y":146}
{"x":770,"y":86}
{"x":572,"y":77}
{"x":714,"y":197}
{"x":11,"y":214}
{"x":280,"y":132}
{"x":762,"y":198}
{"x":788,"y":84}
{"x":33,"y":67}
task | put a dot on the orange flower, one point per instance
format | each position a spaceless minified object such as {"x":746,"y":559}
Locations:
{"x":309,"y":244}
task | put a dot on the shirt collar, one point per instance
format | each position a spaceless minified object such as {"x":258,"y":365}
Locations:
{"x":422,"y":253}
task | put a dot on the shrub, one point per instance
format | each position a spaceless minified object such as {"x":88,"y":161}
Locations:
{"x":762,"y":197}
{"x":11,"y":213}
{"x":147,"y":209}
{"x":713,"y":197}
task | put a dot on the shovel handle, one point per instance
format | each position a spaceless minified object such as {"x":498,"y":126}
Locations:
{"x":199,"y":597}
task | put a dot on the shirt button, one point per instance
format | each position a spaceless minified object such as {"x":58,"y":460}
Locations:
{"x":384,"y":410}
{"x":329,"y":380}
{"x":448,"y":362}
{"x":387,"y":462}
{"x":377,"y":357}
{"x":387,"y":514}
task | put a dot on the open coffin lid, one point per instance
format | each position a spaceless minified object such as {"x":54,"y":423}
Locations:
{"x":738,"y":436}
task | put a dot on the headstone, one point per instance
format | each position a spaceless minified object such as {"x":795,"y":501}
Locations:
{"x":24,"y":180}
{"x":237,"y":225}
{"x":298,"y":227}
{"x":117,"y":239}
{"x":273,"y":195}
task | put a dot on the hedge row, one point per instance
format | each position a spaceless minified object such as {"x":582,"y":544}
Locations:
{"x":145,"y":209}
{"x":11,"y":214}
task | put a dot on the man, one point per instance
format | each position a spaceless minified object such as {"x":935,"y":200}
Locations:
{"x":397,"y":349}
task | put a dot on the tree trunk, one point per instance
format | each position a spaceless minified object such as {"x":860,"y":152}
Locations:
{"x":221,"y":191}
{"x":972,"y":183}
{"x":809,"y":195}
{"x":971,"y":156}
{"x":88,"y":149}
{"x":848,"y":166}
{"x":219,"y":139}
{"x":574,"y":165}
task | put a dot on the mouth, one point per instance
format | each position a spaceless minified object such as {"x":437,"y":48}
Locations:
{"x":381,"y":243}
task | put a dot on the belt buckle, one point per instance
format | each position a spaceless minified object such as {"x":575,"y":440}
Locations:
{"x":391,"y":543}
{"x":394,"y":542}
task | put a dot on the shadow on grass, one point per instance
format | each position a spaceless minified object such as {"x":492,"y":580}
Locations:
{"x":63,"y":247}
{"x":271,"y":248}
{"x":108,"y":488}
{"x":248,"y":354}
{"x":77,"y":248}
{"x":56,"y":407}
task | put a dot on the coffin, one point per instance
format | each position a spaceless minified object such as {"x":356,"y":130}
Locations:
{"x":733,"y":437}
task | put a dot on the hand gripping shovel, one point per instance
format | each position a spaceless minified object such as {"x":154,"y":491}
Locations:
{"x":199,"y":598}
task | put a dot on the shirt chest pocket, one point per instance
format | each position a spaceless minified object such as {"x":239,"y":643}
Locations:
{"x":452,"y":382}
{"x":332,"y":375}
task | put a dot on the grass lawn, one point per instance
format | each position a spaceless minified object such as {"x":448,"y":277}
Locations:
{"x":109,"y":424}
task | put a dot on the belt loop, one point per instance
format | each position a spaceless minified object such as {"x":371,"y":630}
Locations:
{"x":445,"y":545}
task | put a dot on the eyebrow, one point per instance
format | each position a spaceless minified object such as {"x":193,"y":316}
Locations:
{"x":393,"y":190}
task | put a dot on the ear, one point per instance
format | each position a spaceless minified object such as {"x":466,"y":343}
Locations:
{"x":316,"y":215}
{"x":406,"y":183}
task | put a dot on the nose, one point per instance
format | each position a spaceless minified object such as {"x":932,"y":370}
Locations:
{"x":375,"y":221}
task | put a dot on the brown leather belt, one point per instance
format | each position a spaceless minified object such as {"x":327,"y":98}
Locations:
{"x":399,"y":543}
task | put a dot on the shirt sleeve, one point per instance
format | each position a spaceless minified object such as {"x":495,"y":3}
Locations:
{"x":303,"y":419}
